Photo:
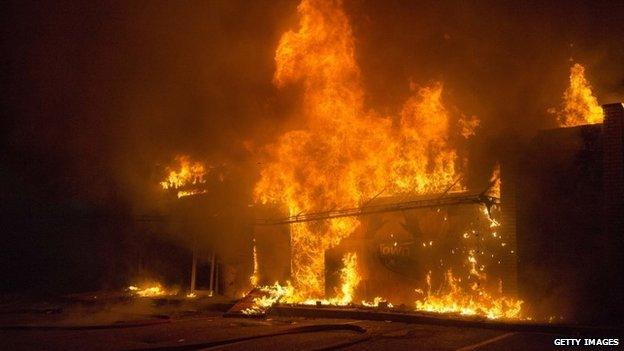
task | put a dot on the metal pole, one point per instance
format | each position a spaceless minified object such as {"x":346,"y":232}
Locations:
{"x":212,"y":272}
{"x":217,"y":278}
{"x":194,"y":268}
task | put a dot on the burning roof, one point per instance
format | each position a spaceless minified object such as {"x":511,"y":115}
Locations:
{"x":579,"y":105}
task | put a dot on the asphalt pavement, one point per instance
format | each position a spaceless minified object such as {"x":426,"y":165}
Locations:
{"x":145,"y":325}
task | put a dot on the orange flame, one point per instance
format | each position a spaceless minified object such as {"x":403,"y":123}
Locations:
{"x":350,"y":278}
{"x":579,"y":104}
{"x":150,"y":290}
{"x":346,"y":154}
{"x":451,"y":298}
{"x":255,"y":276}
{"x":495,"y":182}
{"x":187,"y":173}
{"x":468,"y":126}
{"x":376,"y":301}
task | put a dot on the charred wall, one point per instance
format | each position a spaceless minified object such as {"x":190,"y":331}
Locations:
{"x":613,"y":206}
{"x":211,"y":226}
{"x":273,"y":247}
{"x":273,"y":252}
{"x":567,"y":183}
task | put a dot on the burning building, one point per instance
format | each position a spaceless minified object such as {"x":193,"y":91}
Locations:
{"x":365,"y":207}
{"x":355,"y":206}
{"x":349,"y":159}
{"x":313,"y":158}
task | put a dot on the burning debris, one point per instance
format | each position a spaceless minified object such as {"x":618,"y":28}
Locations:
{"x":150,"y":290}
{"x":378,"y":302}
{"x":261,"y":299}
{"x":468,"y":126}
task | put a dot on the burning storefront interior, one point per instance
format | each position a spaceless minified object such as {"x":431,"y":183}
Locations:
{"x":423,"y":195}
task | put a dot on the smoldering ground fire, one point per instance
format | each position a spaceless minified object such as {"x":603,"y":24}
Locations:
{"x":350,"y":186}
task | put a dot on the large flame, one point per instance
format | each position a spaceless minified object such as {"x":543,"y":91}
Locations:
{"x":349,"y":277}
{"x":345,"y":155}
{"x":579,"y":104}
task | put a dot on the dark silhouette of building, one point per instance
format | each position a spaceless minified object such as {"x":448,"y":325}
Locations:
{"x":566,"y":191}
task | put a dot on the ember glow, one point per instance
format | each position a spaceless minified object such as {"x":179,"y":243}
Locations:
{"x":579,"y":103}
{"x":377,"y":301}
{"x":150,"y":290}
{"x":186,"y":174}
{"x":468,"y":126}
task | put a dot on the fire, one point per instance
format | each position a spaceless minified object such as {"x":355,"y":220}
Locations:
{"x":183,"y":193}
{"x":451,"y":298}
{"x":377,"y":301}
{"x":150,"y":291}
{"x":495,"y":182}
{"x":188,"y":173}
{"x":349,"y":277}
{"x":255,"y":277}
{"x":579,"y":104}
{"x":346,"y":154}
{"x":274,"y":293}
{"x":468,"y":126}
{"x":467,"y":289}
{"x":349,"y":280}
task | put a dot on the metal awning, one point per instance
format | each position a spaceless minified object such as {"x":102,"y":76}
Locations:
{"x":443,"y":200}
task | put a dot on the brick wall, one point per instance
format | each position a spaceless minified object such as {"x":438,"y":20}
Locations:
{"x":613,"y":212}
